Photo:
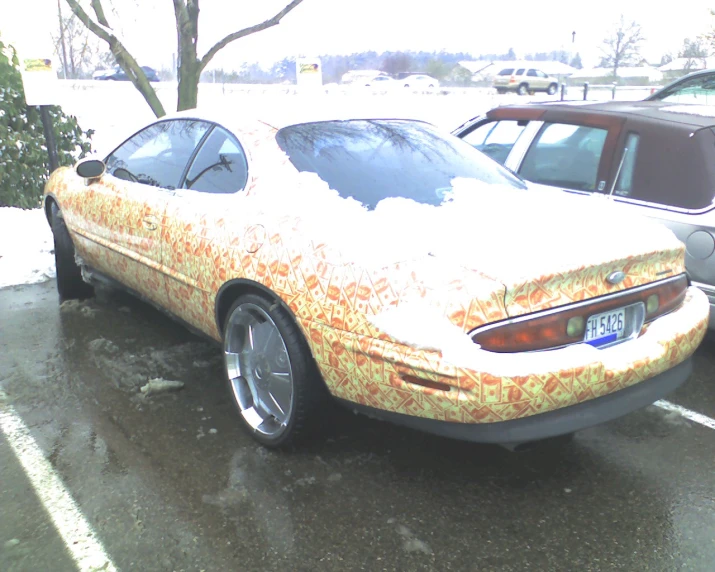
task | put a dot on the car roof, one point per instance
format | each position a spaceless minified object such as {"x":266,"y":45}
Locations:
{"x":656,"y":111}
{"x":244,"y":122}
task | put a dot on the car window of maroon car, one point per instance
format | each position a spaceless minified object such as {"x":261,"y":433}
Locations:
{"x":377,"y":159}
{"x":674,"y":166}
{"x":158,"y":154}
{"x":565,"y":156}
{"x":624,"y":184}
{"x":496,"y":138}
{"x":220,"y":165}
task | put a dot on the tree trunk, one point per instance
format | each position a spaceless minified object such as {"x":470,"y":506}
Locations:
{"x":139,"y":80}
{"x":188,"y":95}
{"x":187,"y":34}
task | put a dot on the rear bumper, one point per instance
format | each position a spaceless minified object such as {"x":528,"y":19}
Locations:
{"x":480,"y":388}
{"x":550,"y":424}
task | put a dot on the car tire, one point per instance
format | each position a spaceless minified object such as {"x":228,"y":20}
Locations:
{"x":501,"y":91}
{"x":271,"y":374}
{"x":552,"y":89}
{"x":407,"y":85}
{"x":523,"y":89}
{"x":70,"y":285}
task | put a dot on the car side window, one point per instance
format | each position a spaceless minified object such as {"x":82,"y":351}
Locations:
{"x":624,"y":184}
{"x":700,"y":90}
{"x":496,"y":138}
{"x":157,"y":155}
{"x":220,"y":165}
{"x":565,"y":156}
{"x":541,"y":74}
{"x":532,"y":73}
{"x":520,"y":72}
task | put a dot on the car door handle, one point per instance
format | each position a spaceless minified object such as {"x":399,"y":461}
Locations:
{"x":150,"y":222}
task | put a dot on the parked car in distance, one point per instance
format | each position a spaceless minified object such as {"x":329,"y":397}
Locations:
{"x":524,"y":81}
{"x":381,"y":82}
{"x":697,"y":87}
{"x":300,"y":249}
{"x":118,"y":74}
{"x":419,"y":82}
{"x":652,"y":158}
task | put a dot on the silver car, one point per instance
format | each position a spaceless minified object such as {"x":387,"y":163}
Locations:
{"x":653,"y":157}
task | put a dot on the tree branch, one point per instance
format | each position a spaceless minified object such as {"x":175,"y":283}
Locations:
{"x":274,"y":21}
{"x":123,"y":57}
{"x":180,"y":11}
{"x":99,"y":11}
{"x":101,"y":31}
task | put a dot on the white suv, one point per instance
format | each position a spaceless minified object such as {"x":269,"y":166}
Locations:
{"x":525,"y":80}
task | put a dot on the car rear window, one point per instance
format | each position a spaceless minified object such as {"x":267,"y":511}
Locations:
{"x":371,"y":160}
{"x":507,"y":71}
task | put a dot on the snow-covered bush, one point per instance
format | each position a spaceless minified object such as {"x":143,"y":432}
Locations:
{"x":24,"y":164}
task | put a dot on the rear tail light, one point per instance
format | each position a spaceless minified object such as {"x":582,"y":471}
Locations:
{"x":566,"y":325}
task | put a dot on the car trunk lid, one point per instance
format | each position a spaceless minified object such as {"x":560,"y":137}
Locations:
{"x":549,"y":249}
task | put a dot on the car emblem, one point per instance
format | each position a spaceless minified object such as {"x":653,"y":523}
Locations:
{"x":616,"y":277}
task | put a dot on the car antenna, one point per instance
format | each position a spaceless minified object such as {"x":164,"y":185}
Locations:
{"x":618,"y":173}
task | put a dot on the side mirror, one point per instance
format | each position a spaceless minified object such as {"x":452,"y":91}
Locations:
{"x":90,"y":168}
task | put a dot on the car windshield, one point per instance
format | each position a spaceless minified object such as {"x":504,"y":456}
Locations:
{"x":371,"y":160}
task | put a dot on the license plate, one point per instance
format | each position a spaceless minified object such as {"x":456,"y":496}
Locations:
{"x":606,"y":327}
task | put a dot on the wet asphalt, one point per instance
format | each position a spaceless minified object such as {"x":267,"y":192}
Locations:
{"x":170,"y":482}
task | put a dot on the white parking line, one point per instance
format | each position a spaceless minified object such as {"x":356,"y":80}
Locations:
{"x":692,"y":415}
{"x":81,"y":541}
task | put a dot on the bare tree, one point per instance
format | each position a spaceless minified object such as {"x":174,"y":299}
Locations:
{"x":695,"y":51}
{"x":622,"y":46}
{"x":190,"y":65}
{"x":77,"y":49}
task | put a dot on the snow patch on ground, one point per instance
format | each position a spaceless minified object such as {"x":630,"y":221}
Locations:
{"x":26,"y":247}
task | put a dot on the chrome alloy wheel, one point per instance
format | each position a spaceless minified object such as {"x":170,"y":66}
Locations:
{"x":259,"y":370}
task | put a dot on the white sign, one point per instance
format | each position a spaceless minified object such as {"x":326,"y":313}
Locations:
{"x":39,"y":80}
{"x":309,"y":72}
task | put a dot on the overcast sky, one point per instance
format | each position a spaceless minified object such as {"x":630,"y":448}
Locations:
{"x":345,"y":26}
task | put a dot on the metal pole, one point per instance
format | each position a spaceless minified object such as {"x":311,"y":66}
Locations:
{"x":563,"y":91}
{"x":49,"y":137}
{"x":613,"y":91}
{"x":585,"y":90}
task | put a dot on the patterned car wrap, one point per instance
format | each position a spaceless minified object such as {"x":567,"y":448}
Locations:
{"x":179,"y":250}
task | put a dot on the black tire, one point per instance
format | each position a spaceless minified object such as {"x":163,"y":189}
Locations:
{"x":523,"y":89}
{"x":308,"y":390}
{"x":552,"y":89}
{"x":70,"y":285}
